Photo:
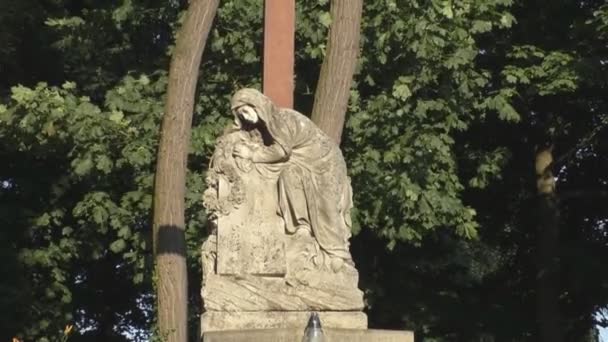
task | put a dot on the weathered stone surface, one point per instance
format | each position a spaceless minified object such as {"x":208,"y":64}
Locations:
{"x":252,"y":237}
{"x":222,"y":293}
{"x":279,"y":201}
{"x":221,"y":321}
{"x":295,"y":335}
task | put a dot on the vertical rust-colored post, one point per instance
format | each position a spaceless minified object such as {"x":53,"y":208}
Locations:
{"x":279,"y":37}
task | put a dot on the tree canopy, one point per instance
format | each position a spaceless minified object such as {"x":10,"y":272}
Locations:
{"x":451,"y":102}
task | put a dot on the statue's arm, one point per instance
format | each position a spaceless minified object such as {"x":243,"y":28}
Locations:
{"x":269,"y":154}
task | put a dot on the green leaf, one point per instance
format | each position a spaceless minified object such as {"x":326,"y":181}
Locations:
{"x":65,"y":22}
{"x":402,"y":91}
{"x":138,"y":278}
{"x":68,"y":85}
{"x":82,"y":166}
{"x":447,"y":10}
{"x":118,"y":246}
{"x":507,"y":20}
{"x":22,"y":94}
{"x":49,"y":129}
{"x":100,"y":215}
{"x":507,"y":112}
{"x":325,"y":19}
{"x":124,"y":232}
{"x":121,"y":13}
{"x":481,"y":26}
{"x":116,"y":116}
{"x":104,"y":163}
{"x":43,"y":220}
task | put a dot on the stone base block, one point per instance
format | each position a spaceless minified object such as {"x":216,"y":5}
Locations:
{"x":295,"y":335}
{"x":256,"y":294}
{"x":221,"y":320}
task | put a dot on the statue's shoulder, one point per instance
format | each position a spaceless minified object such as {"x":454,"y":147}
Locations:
{"x":298,"y":122}
{"x":284,"y":112}
{"x":291,"y":115}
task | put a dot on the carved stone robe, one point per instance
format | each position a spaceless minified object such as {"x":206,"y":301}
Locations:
{"x":313,"y":186}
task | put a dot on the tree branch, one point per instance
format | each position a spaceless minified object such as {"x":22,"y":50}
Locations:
{"x":564,"y":158}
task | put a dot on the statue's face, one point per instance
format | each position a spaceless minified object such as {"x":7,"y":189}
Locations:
{"x":248,"y":113}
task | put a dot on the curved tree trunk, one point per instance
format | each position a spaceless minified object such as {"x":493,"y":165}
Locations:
{"x":170,"y":181}
{"x":335,"y":79}
{"x":548,"y":285}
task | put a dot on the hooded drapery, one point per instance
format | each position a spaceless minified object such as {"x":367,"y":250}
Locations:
{"x":314,"y":189}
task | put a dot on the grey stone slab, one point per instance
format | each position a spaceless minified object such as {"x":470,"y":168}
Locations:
{"x":295,"y":335}
{"x":221,"y":321}
{"x":251,"y":293}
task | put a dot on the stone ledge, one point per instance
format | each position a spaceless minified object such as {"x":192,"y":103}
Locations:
{"x":221,"y":320}
{"x":295,"y":335}
{"x":257,"y":294}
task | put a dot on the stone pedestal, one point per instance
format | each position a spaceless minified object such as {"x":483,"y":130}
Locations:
{"x":295,"y":335}
{"x":278,"y":200}
{"x":212,"y":321}
{"x":248,"y":293}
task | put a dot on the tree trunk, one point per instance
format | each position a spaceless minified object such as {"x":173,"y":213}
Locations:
{"x":170,"y":181}
{"x":335,"y":79}
{"x":548,"y":285}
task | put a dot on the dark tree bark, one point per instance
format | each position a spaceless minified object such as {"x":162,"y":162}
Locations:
{"x":548,"y":285}
{"x":335,"y":79}
{"x":170,"y":181}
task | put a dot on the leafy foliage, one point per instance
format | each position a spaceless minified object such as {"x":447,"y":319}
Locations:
{"x":450,"y":101}
{"x":406,"y":114}
{"x":90,"y":211}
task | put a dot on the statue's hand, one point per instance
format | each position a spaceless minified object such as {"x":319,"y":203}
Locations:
{"x":243,"y":151}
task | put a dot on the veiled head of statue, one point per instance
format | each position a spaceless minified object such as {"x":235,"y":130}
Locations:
{"x":250,"y":104}
{"x":248,"y":113}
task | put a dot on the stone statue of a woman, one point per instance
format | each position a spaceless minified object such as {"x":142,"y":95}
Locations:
{"x":279,"y":201}
{"x":314,"y":191}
